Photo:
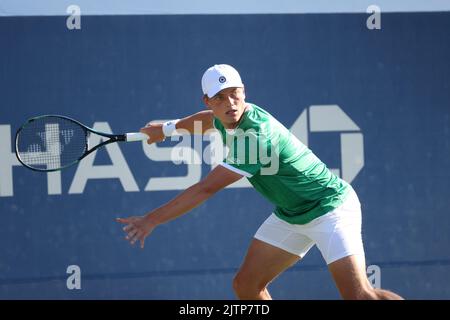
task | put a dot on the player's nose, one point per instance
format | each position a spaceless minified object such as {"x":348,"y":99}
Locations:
{"x":231,"y":100}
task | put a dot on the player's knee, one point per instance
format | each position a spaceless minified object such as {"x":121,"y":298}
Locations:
{"x":360,"y":294}
{"x":239,"y":284}
{"x":245,"y":286}
{"x":372,"y":294}
{"x":387,"y":295}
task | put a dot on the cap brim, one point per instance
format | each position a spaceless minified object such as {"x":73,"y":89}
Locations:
{"x":213,"y":91}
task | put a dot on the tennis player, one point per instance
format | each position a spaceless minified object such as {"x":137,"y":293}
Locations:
{"x":312,"y":205}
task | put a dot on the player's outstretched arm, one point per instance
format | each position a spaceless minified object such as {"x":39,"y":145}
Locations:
{"x":198,"y":123}
{"x":138,"y":228}
{"x":204,"y":120}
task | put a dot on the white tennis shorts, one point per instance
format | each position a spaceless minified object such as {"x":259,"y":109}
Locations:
{"x":337,"y":234}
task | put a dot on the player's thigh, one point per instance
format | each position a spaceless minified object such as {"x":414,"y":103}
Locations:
{"x":277,"y":246}
{"x":263,"y":263}
{"x":338,"y":237}
{"x":349,"y":275}
{"x":337,"y":234}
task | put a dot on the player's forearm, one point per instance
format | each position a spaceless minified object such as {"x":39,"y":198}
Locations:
{"x":197,"y":123}
{"x":181,"y":204}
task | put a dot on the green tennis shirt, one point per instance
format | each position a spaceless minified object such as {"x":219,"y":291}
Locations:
{"x":281,"y":168}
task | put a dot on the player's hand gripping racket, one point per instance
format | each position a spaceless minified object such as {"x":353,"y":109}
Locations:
{"x":54,"y":142}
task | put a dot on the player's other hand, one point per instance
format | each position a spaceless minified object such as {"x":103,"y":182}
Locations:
{"x":154,"y":131}
{"x":137,"y":228}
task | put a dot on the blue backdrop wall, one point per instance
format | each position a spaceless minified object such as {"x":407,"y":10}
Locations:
{"x":391,"y":86}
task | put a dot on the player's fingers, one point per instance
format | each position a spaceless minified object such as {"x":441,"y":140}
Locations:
{"x":131,"y":235}
{"x":135,"y":238}
{"x":147,"y":132}
{"x":126,"y":220}
{"x":128,"y":228}
{"x":141,"y":237}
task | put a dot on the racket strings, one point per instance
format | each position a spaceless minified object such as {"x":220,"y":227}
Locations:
{"x":51,"y":143}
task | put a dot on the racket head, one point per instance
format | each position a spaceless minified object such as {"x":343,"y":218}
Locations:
{"x":51,"y":142}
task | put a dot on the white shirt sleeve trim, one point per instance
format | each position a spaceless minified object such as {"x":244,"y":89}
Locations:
{"x":241,"y":172}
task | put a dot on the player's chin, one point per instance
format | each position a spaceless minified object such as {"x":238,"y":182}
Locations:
{"x":232,"y":118}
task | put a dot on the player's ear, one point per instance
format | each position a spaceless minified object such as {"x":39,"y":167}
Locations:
{"x":243,"y":91}
{"x":206,"y":101}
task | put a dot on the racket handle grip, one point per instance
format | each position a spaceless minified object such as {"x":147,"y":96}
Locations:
{"x":136,"y":136}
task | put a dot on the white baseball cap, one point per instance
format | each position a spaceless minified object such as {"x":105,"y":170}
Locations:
{"x":219,"y":77}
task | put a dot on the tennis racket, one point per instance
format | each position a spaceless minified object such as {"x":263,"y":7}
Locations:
{"x":53,"y":142}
